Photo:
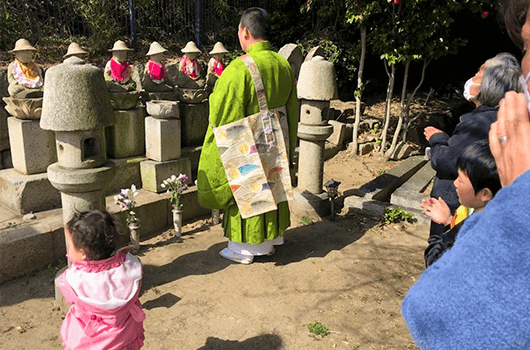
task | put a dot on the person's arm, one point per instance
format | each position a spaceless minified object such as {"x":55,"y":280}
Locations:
{"x":509,"y":138}
{"x":437,"y":210}
{"x":445,"y":151}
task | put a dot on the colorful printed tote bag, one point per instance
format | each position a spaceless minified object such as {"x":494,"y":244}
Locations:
{"x":254,"y":152}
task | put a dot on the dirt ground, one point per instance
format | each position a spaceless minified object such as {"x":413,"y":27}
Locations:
{"x":349,"y":273}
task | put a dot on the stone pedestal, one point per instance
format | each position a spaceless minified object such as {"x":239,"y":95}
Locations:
{"x":158,"y":95}
{"x":154,"y":173}
{"x":127,"y":173}
{"x":127,"y":137}
{"x":163,"y":137}
{"x":32,"y":148}
{"x":24,"y":194}
{"x":194,"y":118}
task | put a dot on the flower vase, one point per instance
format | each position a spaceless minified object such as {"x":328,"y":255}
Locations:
{"x":134,"y":228}
{"x":177,"y":221}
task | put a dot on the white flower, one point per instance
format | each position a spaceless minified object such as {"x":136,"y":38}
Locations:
{"x":133,"y":188}
{"x":173,"y":177}
{"x":116,"y":198}
{"x":132,"y":213}
{"x":166,"y":182}
{"x":135,"y":194}
{"x":163,"y":186}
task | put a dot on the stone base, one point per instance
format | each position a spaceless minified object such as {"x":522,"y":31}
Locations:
{"x":24,"y":194}
{"x":158,"y":95}
{"x":162,"y":142}
{"x":127,"y":173}
{"x":308,"y":204}
{"x":154,"y":173}
{"x":32,"y":148}
{"x":24,"y":108}
{"x":194,"y":123}
{"x":127,"y":137}
{"x":194,"y":154}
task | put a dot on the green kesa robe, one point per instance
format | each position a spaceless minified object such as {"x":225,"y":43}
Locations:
{"x":234,"y":98}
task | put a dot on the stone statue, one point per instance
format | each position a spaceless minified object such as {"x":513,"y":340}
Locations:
{"x":24,"y":76}
{"x":188,"y":62}
{"x":118,"y":71}
{"x":155,"y":70}
{"x":75,"y":50}
{"x":215,"y":65}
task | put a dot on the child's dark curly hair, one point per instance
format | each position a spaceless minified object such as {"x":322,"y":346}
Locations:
{"x":95,"y":232}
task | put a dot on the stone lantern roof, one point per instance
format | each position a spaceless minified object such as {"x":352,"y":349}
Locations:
{"x":317,"y":80}
{"x":75,"y":98}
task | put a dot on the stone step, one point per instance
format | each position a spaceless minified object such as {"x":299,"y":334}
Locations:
{"x":28,"y":246}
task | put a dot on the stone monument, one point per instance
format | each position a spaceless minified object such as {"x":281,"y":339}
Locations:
{"x":191,"y":92}
{"x":215,"y":65}
{"x":25,"y":80}
{"x":316,"y":87}
{"x":293,"y":54}
{"x":77,"y":108}
{"x":154,"y":81}
{"x":75,"y":50}
{"x":163,"y":145}
{"x":126,"y":138}
{"x":25,"y":187}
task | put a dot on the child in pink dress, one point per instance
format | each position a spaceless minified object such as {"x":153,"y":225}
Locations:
{"x":102,"y":287}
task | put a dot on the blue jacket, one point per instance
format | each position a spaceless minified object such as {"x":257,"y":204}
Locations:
{"x":477,"y":295}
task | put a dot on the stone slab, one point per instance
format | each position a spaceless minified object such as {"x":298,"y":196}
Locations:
{"x":4,"y":134}
{"x":376,"y":208}
{"x":194,"y":154}
{"x":27,"y":193}
{"x":410,"y":194}
{"x":127,"y":173}
{"x":338,"y":135}
{"x":127,"y":137}
{"x":194,"y":119}
{"x":32,"y":148}
{"x":34,"y":245}
{"x":382,"y":186}
{"x":154,"y":173}
{"x":331,"y":150}
{"x":162,"y":139}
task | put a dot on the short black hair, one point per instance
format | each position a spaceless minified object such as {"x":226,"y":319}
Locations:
{"x":95,"y":232}
{"x":477,"y":162}
{"x":257,"y":21}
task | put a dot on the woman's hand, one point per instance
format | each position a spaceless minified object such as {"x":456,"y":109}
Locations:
{"x":509,"y":138}
{"x":431,"y":130}
{"x":437,"y":210}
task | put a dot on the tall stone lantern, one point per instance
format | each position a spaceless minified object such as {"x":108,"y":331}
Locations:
{"x":76,"y":106}
{"x":317,"y":85}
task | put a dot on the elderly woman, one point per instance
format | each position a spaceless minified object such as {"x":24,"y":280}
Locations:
{"x":494,"y":78}
{"x":477,"y":295}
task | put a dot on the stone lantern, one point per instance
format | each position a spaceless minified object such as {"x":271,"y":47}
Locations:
{"x":316,"y":86}
{"x":76,"y":106}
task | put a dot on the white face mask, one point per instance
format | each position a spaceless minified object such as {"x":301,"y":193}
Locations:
{"x":467,"y":89}
{"x":525,"y":90}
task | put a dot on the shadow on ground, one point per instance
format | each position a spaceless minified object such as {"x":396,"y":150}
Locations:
{"x":261,"y":342}
{"x":314,"y":240}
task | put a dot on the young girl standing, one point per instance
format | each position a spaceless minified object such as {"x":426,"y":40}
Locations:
{"x":102,"y":287}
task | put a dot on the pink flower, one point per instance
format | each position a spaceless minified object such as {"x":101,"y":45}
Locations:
{"x":396,"y":2}
{"x":484,"y":14}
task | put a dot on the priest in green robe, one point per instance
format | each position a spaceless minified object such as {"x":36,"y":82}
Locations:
{"x":234,"y":97}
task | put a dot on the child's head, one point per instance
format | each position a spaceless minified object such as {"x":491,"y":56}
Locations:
{"x":478,"y":180}
{"x":91,"y":235}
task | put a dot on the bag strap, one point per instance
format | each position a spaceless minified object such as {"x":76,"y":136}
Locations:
{"x":258,"y":83}
{"x":262,"y":99}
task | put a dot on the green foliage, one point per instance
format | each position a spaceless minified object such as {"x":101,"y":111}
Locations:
{"x":103,"y":27}
{"x":306,"y":220}
{"x":395,"y":215}
{"x":318,"y":329}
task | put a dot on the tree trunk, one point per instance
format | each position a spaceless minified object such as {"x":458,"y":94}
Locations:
{"x":407,"y":122}
{"x":389,"y":92}
{"x":358,"y":93}
{"x":401,"y":110}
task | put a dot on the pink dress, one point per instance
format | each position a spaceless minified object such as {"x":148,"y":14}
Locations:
{"x":105,"y":312}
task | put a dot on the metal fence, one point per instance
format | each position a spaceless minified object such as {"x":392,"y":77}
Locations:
{"x":204,"y":21}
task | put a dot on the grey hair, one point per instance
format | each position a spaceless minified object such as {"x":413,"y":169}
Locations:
{"x":502,"y":74}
